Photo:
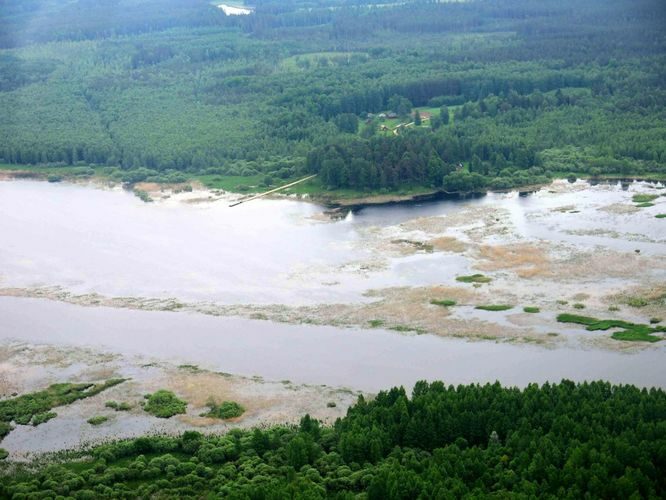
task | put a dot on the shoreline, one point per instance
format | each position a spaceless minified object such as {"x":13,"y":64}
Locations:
{"x":328,"y":199}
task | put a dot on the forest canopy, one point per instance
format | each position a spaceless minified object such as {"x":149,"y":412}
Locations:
{"x":566,"y":440}
{"x":511,"y":92}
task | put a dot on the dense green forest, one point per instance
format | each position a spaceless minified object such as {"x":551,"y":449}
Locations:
{"x":591,"y":440}
{"x":513,"y":91}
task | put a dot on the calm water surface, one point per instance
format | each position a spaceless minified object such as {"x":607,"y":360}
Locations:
{"x":359,"y":359}
{"x":268,"y":251}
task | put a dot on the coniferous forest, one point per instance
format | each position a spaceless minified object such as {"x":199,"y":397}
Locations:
{"x":507,"y":92}
{"x":591,"y":440}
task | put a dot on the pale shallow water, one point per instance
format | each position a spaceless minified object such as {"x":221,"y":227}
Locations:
{"x":359,"y":359}
{"x":269,"y":251}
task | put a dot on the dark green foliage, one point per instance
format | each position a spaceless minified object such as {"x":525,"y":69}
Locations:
{"x":224,"y":410}
{"x":631,"y":331}
{"x":164,"y":90}
{"x":164,"y":404}
{"x":34,"y":407}
{"x":531,"y":309}
{"x":98,"y":420}
{"x":566,"y":440}
{"x":578,"y":305}
{"x":660,"y":216}
{"x":3,"y":454}
{"x":474,"y":278}
{"x":443,"y":303}
{"x":494,"y":307}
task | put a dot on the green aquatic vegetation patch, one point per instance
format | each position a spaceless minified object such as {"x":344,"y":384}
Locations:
{"x":443,"y":303}
{"x":474,"y":278}
{"x":494,"y":307}
{"x":118,"y":406}
{"x":645,"y":205}
{"x":376,"y":323}
{"x":630,"y":331}
{"x":99,"y":420}
{"x":578,"y":305}
{"x":660,"y":216}
{"x":644,"y":198}
{"x":637,"y":302}
{"x":224,"y":410}
{"x":531,"y":309}
{"x":164,"y":404}
{"x":35,"y":407}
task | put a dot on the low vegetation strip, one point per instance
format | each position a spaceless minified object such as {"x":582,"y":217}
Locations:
{"x":494,"y":307}
{"x":34,"y":407}
{"x":486,"y":441}
{"x":443,"y":303}
{"x":644,"y":198}
{"x":630,"y":331}
{"x":474,"y":278}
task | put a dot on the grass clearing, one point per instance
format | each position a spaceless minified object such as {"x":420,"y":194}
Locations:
{"x":474,"y":278}
{"x":494,"y":307}
{"x":630,"y":331}
{"x":164,"y":404}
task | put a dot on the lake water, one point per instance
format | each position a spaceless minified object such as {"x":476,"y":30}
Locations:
{"x":267,"y":251}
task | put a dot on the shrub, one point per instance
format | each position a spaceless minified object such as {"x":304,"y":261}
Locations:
{"x":227,"y":409}
{"x":164,"y":404}
{"x":578,"y":305}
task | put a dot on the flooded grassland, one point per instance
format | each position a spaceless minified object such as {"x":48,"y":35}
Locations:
{"x":95,"y":283}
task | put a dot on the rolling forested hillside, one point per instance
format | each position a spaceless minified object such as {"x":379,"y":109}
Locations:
{"x":489,"y":92}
